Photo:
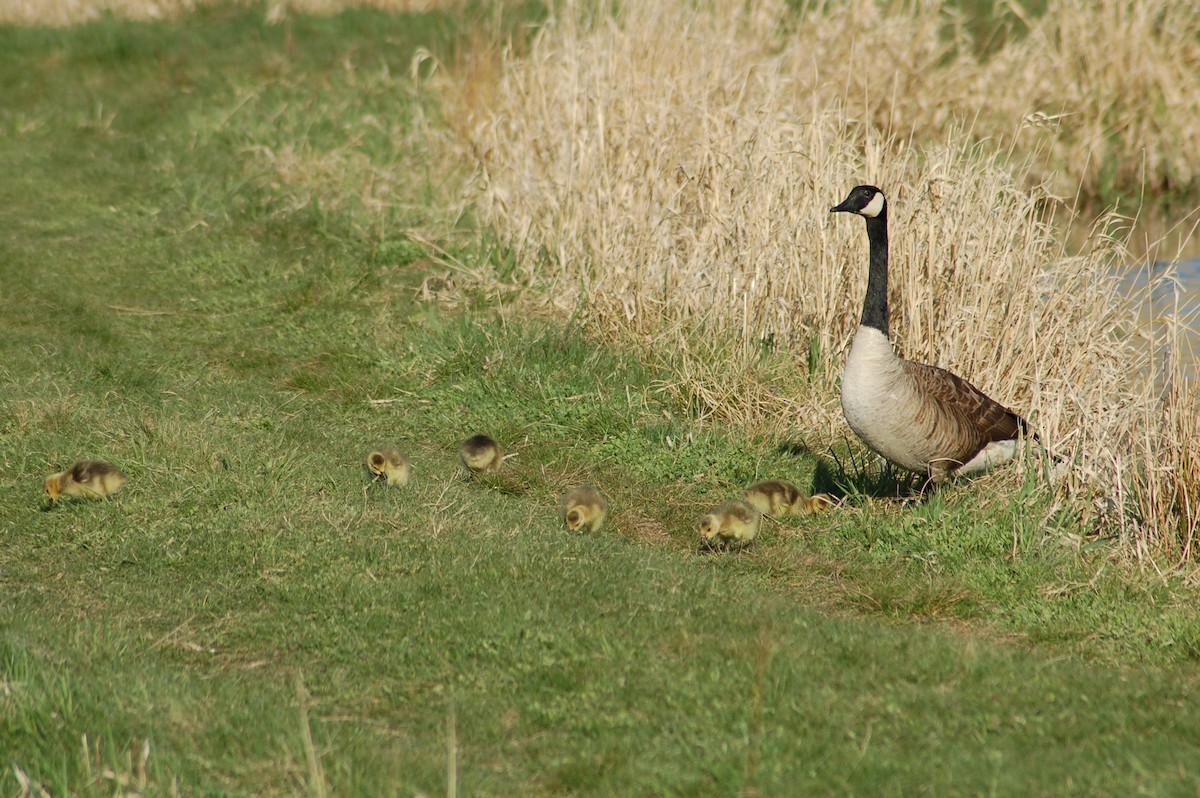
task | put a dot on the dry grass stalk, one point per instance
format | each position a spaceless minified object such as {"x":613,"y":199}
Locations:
{"x":675,"y":169}
{"x":316,"y":774}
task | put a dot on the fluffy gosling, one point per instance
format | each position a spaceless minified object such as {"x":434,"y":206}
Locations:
{"x":777,"y":497}
{"x":87,"y":479}
{"x":386,"y":464}
{"x":733,"y":525}
{"x":480,"y":454}
{"x":583,"y":508}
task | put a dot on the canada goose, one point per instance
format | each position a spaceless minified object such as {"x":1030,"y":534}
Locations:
{"x":733,"y":525}
{"x":583,"y":508}
{"x":920,"y":417}
{"x":87,"y":479}
{"x":778,"y":497}
{"x":386,"y":464}
{"x":479,"y":454}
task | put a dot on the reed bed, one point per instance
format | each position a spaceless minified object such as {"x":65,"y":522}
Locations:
{"x":1113,"y":90}
{"x":670,"y":171}
{"x":1107,"y":92}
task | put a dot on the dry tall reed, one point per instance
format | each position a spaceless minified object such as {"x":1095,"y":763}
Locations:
{"x":674,"y":166}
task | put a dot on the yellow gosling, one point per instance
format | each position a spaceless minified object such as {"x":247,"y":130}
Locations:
{"x":583,"y":508}
{"x":386,"y":464}
{"x":480,"y":454}
{"x":777,"y":497}
{"x":733,"y":525}
{"x":87,"y":479}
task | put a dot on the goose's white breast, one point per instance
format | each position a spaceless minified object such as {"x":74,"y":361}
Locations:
{"x":879,"y":401}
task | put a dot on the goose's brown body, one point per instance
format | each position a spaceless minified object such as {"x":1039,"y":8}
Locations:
{"x":921,"y":417}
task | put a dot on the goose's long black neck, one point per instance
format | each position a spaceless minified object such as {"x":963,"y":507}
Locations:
{"x":875,"y":309}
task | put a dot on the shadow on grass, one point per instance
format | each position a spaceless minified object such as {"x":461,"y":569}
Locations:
{"x":849,"y":474}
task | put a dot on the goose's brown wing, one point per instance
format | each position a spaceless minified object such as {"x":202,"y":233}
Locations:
{"x":977,"y":418}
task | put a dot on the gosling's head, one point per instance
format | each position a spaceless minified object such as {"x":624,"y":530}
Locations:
{"x":710,"y":527}
{"x":376,"y":464}
{"x":575,"y":519}
{"x":51,"y":488}
{"x":866,"y":201}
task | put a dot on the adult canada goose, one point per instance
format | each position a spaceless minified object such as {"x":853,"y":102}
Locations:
{"x":87,"y":479}
{"x":920,"y":417}
{"x":480,"y":454}
{"x":733,"y":525}
{"x":583,"y":508}
{"x":776,"y":497}
{"x":386,"y":464}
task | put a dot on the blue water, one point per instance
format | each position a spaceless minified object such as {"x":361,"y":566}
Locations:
{"x":1182,"y":296}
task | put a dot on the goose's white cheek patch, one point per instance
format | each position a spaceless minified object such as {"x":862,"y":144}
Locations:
{"x":874,"y":207}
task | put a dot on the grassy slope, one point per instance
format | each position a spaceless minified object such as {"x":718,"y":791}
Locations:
{"x":247,"y":548}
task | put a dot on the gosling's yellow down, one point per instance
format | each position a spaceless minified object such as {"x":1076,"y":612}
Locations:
{"x":776,"y":497}
{"x":87,"y":479}
{"x":480,"y":454}
{"x":583,"y":508}
{"x":386,"y":464}
{"x":733,"y":525}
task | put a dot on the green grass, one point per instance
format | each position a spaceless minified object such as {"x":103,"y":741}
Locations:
{"x":219,"y":329}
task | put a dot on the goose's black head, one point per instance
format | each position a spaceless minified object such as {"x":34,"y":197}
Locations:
{"x":864,"y":200}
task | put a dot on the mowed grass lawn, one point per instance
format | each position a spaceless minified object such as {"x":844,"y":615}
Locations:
{"x":249,"y":616}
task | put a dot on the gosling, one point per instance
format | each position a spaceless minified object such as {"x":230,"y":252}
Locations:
{"x":87,"y":479}
{"x":386,"y":464}
{"x":733,"y":525}
{"x":777,"y":497}
{"x":480,"y":454}
{"x":583,"y":508}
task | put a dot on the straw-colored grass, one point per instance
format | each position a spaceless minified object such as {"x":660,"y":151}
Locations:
{"x":671,"y":170}
{"x":1107,"y":90}
{"x":1123,"y":81}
